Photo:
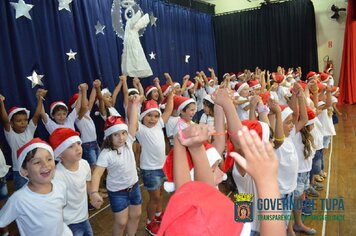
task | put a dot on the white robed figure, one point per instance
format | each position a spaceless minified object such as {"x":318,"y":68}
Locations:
{"x":134,"y":62}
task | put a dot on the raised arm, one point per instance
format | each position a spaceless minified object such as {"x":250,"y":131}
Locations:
{"x":4,"y":117}
{"x":83,"y":101}
{"x":96,"y":85}
{"x":169,"y":107}
{"x":92,"y":98}
{"x":158,"y":86}
{"x":125,"y":89}
{"x":184,"y":86}
{"x":137,"y":84}
{"x":219,"y":124}
{"x":168,"y":79}
{"x":116,"y":92}
{"x":132,"y":110}
{"x":40,"y":94}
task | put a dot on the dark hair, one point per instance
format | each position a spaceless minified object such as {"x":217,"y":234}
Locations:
{"x":186,"y":107}
{"x":19,"y":113}
{"x":59,"y":108}
{"x":307,"y":140}
{"x":133,"y":93}
{"x":108,"y":143}
{"x":210,"y":105}
{"x":28,"y":157}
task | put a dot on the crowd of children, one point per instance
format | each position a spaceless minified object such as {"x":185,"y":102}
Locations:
{"x":269,"y":130}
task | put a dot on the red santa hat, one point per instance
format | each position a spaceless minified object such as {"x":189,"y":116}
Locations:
{"x":165,"y":89}
{"x":149,"y":89}
{"x":324,"y":77}
{"x":149,"y":106}
{"x":279,"y":78}
{"x":240,"y":74}
{"x":328,"y":68}
{"x":232,"y":75}
{"x":261,"y":128}
{"x":13,"y":110}
{"x":311,"y":117}
{"x":311,"y":74}
{"x":240,"y":86}
{"x":62,"y":138}
{"x":73,"y":100}
{"x":199,"y":209}
{"x":29,"y":146}
{"x":176,"y":84}
{"x":209,"y":99}
{"x":190,"y":84}
{"x":213,"y":157}
{"x":286,"y":111}
{"x":254,"y":84}
{"x":265,"y":96}
{"x":321,"y":87}
{"x":114,"y":124}
{"x":56,"y":104}
{"x":133,"y":90}
{"x":180,"y":102}
{"x":210,"y":80}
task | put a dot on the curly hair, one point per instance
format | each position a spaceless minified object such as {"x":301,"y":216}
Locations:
{"x":307,"y":140}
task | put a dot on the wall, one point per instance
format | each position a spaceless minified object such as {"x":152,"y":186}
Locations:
{"x":327,"y":28}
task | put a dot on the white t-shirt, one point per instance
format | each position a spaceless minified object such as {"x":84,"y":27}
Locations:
{"x":76,"y":210}
{"x":170,"y":127}
{"x":200,"y":95}
{"x":68,"y":123}
{"x":304,"y":163}
{"x":246,"y":184}
{"x":16,"y":141}
{"x":209,"y":120}
{"x":243,"y":115}
{"x":121,"y":166}
{"x":153,"y":151}
{"x":209,"y":89}
{"x":3,"y":167}
{"x":331,"y":81}
{"x":327,"y":122}
{"x":288,"y":165}
{"x":282,"y":91}
{"x":317,"y":135}
{"x":37,"y":214}
{"x":86,"y":127}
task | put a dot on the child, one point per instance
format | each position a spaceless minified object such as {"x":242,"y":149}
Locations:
{"x":151,"y":137}
{"x":4,"y":169}
{"x":243,"y":102}
{"x":59,"y":113}
{"x":18,"y":130}
{"x":186,"y":109}
{"x":75,"y":173}
{"x":122,"y":180}
{"x":38,"y":206}
{"x":208,"y":116}
{"x":106,"y":100}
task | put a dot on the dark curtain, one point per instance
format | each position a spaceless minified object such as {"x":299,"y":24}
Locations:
{"x":347,"y":82}
{"x":275,"y":34}
{"x":41,"y":44}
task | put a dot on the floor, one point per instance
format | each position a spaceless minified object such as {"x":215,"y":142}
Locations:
{"x":340,"y":161}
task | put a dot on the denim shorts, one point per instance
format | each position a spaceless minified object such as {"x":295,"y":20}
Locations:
{"x":302,"y":184}
{"x":81,"y":229}
{"x":91,"y":152}
{"x":3,"y":189}
{"x":326,"y":141}
{"x":152,"y":179}
{"x":287,"y":199}
{"x":120,"y":200}
{"x":317,"y":163}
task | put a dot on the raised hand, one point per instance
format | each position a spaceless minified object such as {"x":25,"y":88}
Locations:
{"x":96,"y":83}
{"x":222,"y":96}
{"x":195,"y":135}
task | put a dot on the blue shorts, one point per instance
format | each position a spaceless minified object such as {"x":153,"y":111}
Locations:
{"x":326,"y":141}
{"x":302,"y":184}
{"x":152,"y":179}
{"x":121,"y":199}
{"x":3,"y":188}
{"x":91,"y":152}
{"x":81,"y":229}
{"x":288,"y":200}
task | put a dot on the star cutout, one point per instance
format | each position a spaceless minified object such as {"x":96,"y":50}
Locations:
{"x":35,"y":79}
{"x":22,"y":9}
{"x":64,"y":4}
{"x":152,"y":56}
{"x":187,"y":57}
{"x":99,"y":28}
{"x":71,"y":55}
{"x":153,"y":19}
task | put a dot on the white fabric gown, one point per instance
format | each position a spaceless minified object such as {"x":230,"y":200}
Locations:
{"x":133,"y":61}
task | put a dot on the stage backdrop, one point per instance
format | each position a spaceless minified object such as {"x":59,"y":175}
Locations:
{"x":45,"y":44}
{"x":276,"y":34}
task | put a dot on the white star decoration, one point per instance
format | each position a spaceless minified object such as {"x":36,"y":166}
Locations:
{"x":22,"y":9}
{"x":99,"y":28}
{"x":71,"y":55}
{"x":152,"y":56}
{"x":64,"y":4}
{"x":187,"y":58}
{"x":35,"y":79}
{"x":153,"y":19}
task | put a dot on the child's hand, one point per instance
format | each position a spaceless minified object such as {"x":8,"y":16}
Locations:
{"x":83,"y":86}
{"x":211,"y":70}
{"x":166,"y":75}
{"x":222,"y":95}
{"x":96,"y":83}
{"x":274,"y":106}
{"x":2,"y":98}
{"x":123,"y":78}
{"x":156,"y":81}
{"x":41,"y":93}
{"x":135,"y":99}
{"x":96,"y":200}
{"x":195,"y":135}
{"x":259,"y":159}
{"x":136,"y":81}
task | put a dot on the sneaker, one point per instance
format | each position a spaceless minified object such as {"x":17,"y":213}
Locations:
{"x":312,"y":192}
{"x":159,"y":218}
{"x":317,"y":186}
{"x":304,"y":230}
{"x":152,"y":228}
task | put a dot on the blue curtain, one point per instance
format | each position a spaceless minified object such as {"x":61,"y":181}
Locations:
{"x":41,"y":44}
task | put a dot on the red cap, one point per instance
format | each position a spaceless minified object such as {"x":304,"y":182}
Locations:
{"x":240,"y":86}
{"x":190,"y":84}
{"x":324,"y":77}
{"x":13,"y":110}
{"x":149,"y":89}
{"x":62,"y":138}
{"x":72,"y":100}
{"x":180,"y":102}
{"x":311,"y":116}
{"x":311,"y":74}
{"x":254,"y":84}
{"x":149,"y":106}
{"x":279,"y":78}
{"x":114,"y":124}
{"x":165,"y":89}
{"x":56,"y":104}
